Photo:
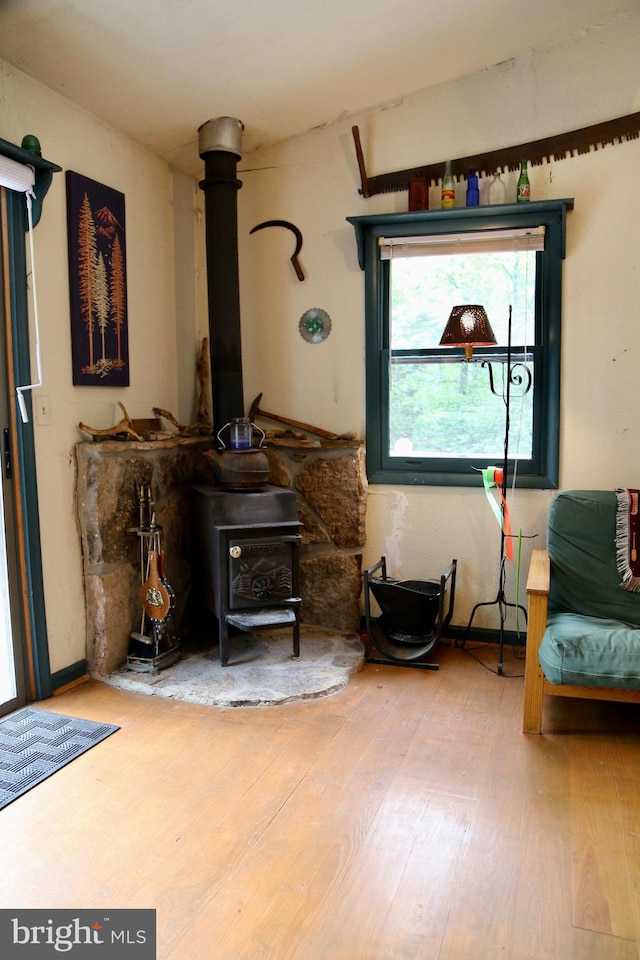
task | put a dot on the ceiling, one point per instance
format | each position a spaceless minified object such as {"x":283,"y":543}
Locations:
{"x":158,"y":69}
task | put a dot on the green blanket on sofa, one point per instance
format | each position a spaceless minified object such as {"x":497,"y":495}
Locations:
{"x":593,"y":629}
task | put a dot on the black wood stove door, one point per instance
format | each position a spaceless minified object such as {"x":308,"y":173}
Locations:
{"x":261,"y":571}
{"x":246,"y":559}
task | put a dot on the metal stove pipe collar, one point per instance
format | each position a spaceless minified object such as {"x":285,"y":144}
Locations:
{"x":224,"y":133}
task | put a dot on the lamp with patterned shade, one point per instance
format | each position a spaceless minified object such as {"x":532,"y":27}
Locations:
{"x":468,"y":326}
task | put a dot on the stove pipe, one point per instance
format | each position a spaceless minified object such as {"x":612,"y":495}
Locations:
{"x":219,"y":143}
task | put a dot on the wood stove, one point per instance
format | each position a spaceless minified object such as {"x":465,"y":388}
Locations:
{"x":247,"y":547}
{"x":246,"y":533}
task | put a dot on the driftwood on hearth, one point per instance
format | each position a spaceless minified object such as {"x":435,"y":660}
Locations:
{"x":152,"y":429}
{"x":123,"y":427}
{"x":197,"y":429}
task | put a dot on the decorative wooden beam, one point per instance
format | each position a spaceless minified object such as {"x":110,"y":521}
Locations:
{"x":558,"y":147}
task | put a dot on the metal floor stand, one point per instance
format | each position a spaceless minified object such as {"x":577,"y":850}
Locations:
{"x":389,"y":633}
{"x":501,"y":603}
{"x":524,"y":383}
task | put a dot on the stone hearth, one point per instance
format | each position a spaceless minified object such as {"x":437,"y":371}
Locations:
{"x":263,"y":672}
{"x":329,"y":480}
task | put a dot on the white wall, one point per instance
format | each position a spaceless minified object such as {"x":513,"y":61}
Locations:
{"x":313,"y":181}
{"x":77,"y":141}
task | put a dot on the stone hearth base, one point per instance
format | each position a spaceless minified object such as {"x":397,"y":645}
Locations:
{"x":261,"y":670}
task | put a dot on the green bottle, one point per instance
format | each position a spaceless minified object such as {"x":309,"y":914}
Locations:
{"x":524,"y":187}
{"x":448,"y":192}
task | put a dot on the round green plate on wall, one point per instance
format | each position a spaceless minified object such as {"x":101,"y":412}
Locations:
{"x":315,"y":325}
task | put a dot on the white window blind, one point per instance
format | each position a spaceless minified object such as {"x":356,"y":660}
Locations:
{"x":441,"y":244}
{"x":16,"y":176}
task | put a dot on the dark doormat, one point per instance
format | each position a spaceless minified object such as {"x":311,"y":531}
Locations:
{"x":35,"y":743}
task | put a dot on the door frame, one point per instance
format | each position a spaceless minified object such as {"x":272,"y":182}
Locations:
{"x":7,"y":508}
{"x":14,"y":225}
{"x":22,"y":450}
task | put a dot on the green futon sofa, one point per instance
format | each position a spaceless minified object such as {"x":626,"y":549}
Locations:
{"x":583,"y":637}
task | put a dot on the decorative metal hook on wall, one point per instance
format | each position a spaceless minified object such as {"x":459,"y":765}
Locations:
{"x":298,"y":236}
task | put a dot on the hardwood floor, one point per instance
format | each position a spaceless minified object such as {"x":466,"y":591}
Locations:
{"x":406,"y":817}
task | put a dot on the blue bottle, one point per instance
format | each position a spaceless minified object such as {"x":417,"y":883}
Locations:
{"x":473,"y":193}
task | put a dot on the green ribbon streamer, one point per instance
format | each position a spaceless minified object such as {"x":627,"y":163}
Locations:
{"x":488,"y":482}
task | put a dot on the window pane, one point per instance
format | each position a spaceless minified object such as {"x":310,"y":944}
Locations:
{"x":448,"y":410}
{"x":424,"y":290}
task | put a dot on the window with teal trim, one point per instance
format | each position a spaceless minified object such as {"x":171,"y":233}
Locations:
{"x":432,"y":416}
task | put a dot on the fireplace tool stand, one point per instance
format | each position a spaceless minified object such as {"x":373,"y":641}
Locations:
{"x":413,"y":615}
{"x":156,"y":645}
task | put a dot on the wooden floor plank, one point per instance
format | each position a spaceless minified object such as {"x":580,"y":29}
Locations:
{"x":338,"y":800}
{"x":479,"y":921}
{"x":542,"y":892}
{"x":602,"y":895}
{"x":405,"y":817}
{"x":627,"y":791}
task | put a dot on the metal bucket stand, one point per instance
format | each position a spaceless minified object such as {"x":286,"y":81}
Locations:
{"x":412,"y":616}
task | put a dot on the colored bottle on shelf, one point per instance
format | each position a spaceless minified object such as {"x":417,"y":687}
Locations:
{"x":497,"y":192}
{"x":524,"y":187}
{"x":473,"y":192}
{"x":418,"y":193}
{"x":448,"y":196}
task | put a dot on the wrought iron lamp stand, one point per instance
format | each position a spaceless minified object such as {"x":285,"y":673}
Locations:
{"x":522,"y":381}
